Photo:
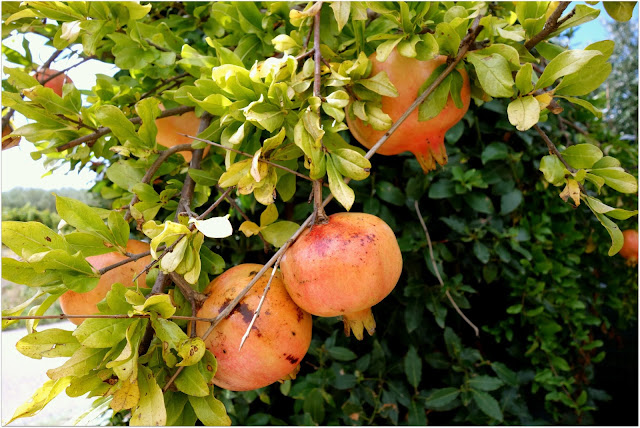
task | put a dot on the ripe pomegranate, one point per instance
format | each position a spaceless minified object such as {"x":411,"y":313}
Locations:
{"x":343,"y":267}
{"x":168,"y":128}
{"x":279,"y":339}
{"x":424,"y":139}
{"x":630,"y":247}
{"x":73,"y":303}
{"x":56,"y":83}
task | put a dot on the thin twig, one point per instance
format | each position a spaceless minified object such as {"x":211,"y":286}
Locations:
{"x":550,"y":26}
{"x":49,"y":61}
{"x":101,"y":316}
{"x":163,"y":49}
{"x":130,"y":259}
{"x":77,"y":122}
{"x":216,"y":203}
{"x":574,"y":126}
{"x":186,"y":197}
{"x":321,"y":216}
{"x":436,"y":270}
{"x":249,"y":155}
{"x":102,"y":131}
{"x":58,"y":73}
{"x":553,"y":149}
{"x":167,"y":250}
{"x":256,"y":313}
{"x":307,"y":39}
{"x":162,"y":83}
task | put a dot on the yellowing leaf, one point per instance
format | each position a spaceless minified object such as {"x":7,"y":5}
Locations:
{"x":216,"y":227}
{"x":269,"y":215}
{"x":191,"y":351}
{"x":249,"y":228}
{"x":150,"y":410}
{"x":126,"y":397}
{"x":571,"y":190}
{"x":41,"y":398}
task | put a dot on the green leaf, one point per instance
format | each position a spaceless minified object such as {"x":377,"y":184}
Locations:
{"x":341,"y":11}
{"x":510,"y":201}
{"x":448,"y":38}
{"x":507,"y":375}
{"x":83,"y":218}
{"x":524,"y":112}
{"x":102,"y":333}
{"x":380,"y":84}
{"x":390,"y":193}
{"x":50,"y":343}
{"x":81,"y":362}
{"x":583,"y":103}
{"x":553,"y":169}
{"x":23,"y":273}
{"x":340,"y":190}
{"x":592,"y":75}
{"x":384,"y":49}
{"x":112,"y":117}
{"x":617,"y":179}
{"x":436,"y":101}
{"x":192,"y":383}
{"x":582,"y":155}
{"x":565,"y":63}
{"x":150,"y":410}
{"x":350,"y":163}
{"x":621,"y":11}
{"x":341,"y":354}
{"x":493,"y":73}
{"x":487,"y":404}
{"x":210,"y":410}
{"x":481,"y":252}
{"x":606,"y":162}
{"x":268,"y":116}
{"x":314,"y":405}
{"x":441,"y":397}
{"x":27,"y":238}
{"x":494,"y":151}
{"x":125,"y":174}
{"x":277,"y":234}
{"x":617,"y":239}
{"x":485,"y":383}
{"x":43,"y":395}
{"x":413,"y":367}
{"x":619,"y":214}
{"x":158,"y":303}
{"x":479,"y":202}
{"x":523,"y":79}
{"x":234,"y":173}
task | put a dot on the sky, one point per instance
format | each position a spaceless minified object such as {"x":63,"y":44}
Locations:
{"x":19,"y":170}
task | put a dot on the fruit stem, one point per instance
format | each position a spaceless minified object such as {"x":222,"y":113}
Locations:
{"x":321,"y":216}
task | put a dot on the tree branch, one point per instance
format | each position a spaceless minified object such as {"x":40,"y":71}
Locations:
{"x":132,"y":258}
{"x":550,"y":26}
{"x":553,"y":149}
{"x":163,"y":49}
{"x":321,"y":216}
{"x":100,"y":316}
{"x":435,"y":268}
{"x":102,"y":131}
{"x":574,"y":126}
{"x":195,"y":298}
{"x":189,"y":185}
{"x":213,"y":206}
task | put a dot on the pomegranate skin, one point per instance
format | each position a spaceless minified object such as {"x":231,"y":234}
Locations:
{"x":170,"y":128}
{"x":279,"y":339}
{"x":343,"y":267}
{"x":73,"y":303}
{"x":424,"y":139}
{"x":629,"y":249}
{"x":56,"y":83}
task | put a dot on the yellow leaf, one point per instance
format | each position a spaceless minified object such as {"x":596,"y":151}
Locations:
{"x":41,"y":398}
{"x":544,"y":100}
{"x":249,"y":228}
{"x":571,"y":190}
{"x":127,"y":396}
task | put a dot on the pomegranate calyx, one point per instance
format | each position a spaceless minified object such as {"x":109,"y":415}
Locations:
{"x":357,"y":322}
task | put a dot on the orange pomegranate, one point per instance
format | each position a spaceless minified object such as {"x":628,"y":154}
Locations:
{"x":56,"y":83}
{"x":73,"y":303}
{"x":279,"y":339}
{"x":343,"y":267}
{"x":424,"y":139}
{"x":170,"y":127}
{"x":630,"y":247}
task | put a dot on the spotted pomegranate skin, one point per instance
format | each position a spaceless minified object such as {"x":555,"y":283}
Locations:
{"x":343,"y":267}
{"x":279,"y":339}
{"x":424,"y":139}
{"x":73,"y":303}
{"x":629,"y":249}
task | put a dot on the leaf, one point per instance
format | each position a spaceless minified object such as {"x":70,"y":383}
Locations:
{"x":583,"y":103}
{"x":350,"y":163}
{"x":385,"y":48}
{"x":277,"y":234}
{"x":523,"y":79}
{"x":340,"y":190}
{"x":553,"y":169}
{"x":341,"y":11}
{"x":494,"y":151}
{"x":571,"y":190}
{"x":441,"y":397}
{"x":126,"y":397}
{"x":479,"y":202}
{"x":102,"y":333}
{"x":621,"y":11}
{"x":617,"y":179}
{"x":215,"y":227}
{"x":27,"y":238}
{"x":191,"y":350}
{"x":485,"y":383}
{"x":268,"y":116}
{"x":83,"y":360}
{"x":210,"y":410}
{"x":191,"y":382}
{"x":494,"y":74}
{"x":249,"y":228}
{"x":43,"y":395}
{"x":524,"y":112}
{"x":341,"y":354}
{"x":510,"y":201}
{"x":83,"y":218}
{"x":50,"y":343}
{"x":314,"y":405}
{"x":269,"y":215}
{"x":617,"y":239}
{"x":160,"y":304}
{"x":413,"y":367}
{"x":481,"y":252}
{"x":150,"y":410}
{"x":619,"y":214}
{"x":582,"y":155}
{"x":234,"y":173}
{"x":487,"y":404}
{"x":565,"y":63}
{"x":380,"y":84}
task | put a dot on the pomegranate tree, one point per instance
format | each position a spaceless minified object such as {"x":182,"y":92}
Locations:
{"x":343,"y":267}
{"x":279,"y":339}
{"x":424,"y":139}
{"x":56,"y":83}
{"x":73,"y":303}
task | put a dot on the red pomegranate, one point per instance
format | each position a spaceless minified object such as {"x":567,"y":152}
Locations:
{"x":73,"y":303}
{"x":629,"y":249}
{"x":279,"y":339}
{"x":343,"y":267}
{"x":424,"y":139}
{"x":56,"y":83}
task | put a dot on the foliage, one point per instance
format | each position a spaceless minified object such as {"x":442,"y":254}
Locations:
{"x":31,"y":213}
{"x":533,"y":271}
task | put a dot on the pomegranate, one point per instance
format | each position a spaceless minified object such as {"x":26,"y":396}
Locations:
{"x":279,"y":339}
{"x":424,"y":139}
{"x":169,"y":127}
{"x":343,"y":267}
{"x":629,"y":249}
{"x":56,"y":83}
{"x":73,"y":303}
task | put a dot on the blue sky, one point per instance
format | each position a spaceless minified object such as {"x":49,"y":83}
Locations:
{"x":595,"y":30}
